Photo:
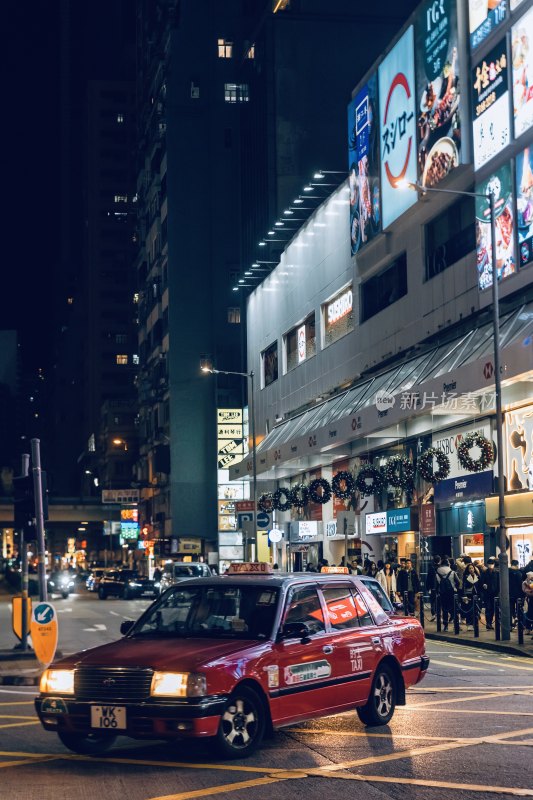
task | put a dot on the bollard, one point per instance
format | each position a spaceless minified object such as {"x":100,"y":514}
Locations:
{"x":456,"y":628}
{"x":475,"y":616}
{"x":422,"y":618}
{"x":520,"y":619}
{"x":438,"y":613}
{"x":497,"y":627}
{"x":406,"y":603}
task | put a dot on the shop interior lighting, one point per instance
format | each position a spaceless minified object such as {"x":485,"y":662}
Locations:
{"x":318,"y":176}
{"x":308,"y":188}
{"x":272,"y":233}
{"x":288,"y":212}
{"x":262,"y":244}
{"x":298,"y":201}
{"x":279,"y":224}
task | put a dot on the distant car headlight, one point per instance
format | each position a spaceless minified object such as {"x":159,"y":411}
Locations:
{"x":157,"y":584}
{"x":135,"y":585}
{"x":60,"y":681}
{"x":51,"y":583}
{"x":178,"y":684}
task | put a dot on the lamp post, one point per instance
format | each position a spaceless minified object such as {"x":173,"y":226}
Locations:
{"x":251,"y":376}
{"x":505,"y":608}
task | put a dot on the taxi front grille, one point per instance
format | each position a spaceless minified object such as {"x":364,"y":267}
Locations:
{"x":106,"y":683}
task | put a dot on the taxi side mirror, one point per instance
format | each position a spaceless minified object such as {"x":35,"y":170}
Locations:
{"x":295,"y":630}
{"x":126,"y":626}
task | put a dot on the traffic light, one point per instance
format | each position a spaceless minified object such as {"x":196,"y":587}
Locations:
{"x":23,"y":500}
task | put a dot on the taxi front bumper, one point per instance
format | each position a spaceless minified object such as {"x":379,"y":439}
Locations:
{"x":144,"y":720}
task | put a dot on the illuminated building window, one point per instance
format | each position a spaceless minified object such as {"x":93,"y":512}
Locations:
{"x":225,"y":48}
{"x":250,"y":53}
{"x":135,"y":359}
{"x":121,"y":338}
{"x":120,"y":117}
{"x":236,"y":92}
{"x":280,"y":5}
{"x":234,"y":315}
{"x":122,"y":359}
{"x":70,"y":300}
{"x":121,"y":198}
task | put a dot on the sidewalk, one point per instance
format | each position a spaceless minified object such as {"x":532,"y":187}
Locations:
{"x":486,"y":639}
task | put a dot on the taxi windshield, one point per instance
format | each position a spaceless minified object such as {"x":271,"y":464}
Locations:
{"x":229,"y":611}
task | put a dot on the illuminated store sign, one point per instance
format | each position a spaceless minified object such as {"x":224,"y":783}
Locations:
{"x":522,"y":62}
{"x":340,"y":307}
{"x":491,"y":127}
{"x":398,"y":122}
{"x":524,"y":205}
{"x":484,"y":16}
{"x":500,"y":183}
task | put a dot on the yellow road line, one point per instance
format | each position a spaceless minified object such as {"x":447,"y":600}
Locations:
{"x":24,"y":762}
{"x":456,"y":666}
{"x":473,"y":711}
{"x":464,"y":787}
{"x":19,"y":724}
{"x":493,"y":663}
{"x":464,"y":699}
{"x":175,"y":764}
{"x":452,"y":689}
{"x":229,"y":787}
{"x":363,"y":735}
{"x":16,"y":716}
{"x":17,"y":703}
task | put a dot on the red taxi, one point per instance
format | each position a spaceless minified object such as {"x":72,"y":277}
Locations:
{"x":235,"y":656}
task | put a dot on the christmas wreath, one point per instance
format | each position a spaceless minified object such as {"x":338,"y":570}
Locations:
{"x":277,"y":502}
{"x":425,"y":465}
{"x":399,"y":472}
{"x":324,"y":496}
{"x":486,"y":457}
{"x":365,"y":474}
{"x":299,"y":495}
{"x":343,"y":484}
{"x":266,"y":502}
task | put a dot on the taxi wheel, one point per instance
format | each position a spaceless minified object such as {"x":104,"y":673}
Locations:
{"x":86,"y":744}
{"x":382,"y":699}
{"x":242,"y":725}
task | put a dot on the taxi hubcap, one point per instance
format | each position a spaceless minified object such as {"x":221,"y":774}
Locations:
{"x":239,"y":723}
{"x":383,"y":695}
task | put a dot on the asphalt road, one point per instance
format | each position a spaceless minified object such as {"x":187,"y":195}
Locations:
{"x":466,"y":732}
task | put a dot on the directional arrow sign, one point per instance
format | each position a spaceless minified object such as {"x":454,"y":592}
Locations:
{"x":43,"y":629}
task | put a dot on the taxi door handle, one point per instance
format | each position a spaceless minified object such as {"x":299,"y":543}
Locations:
{"x":328,"y":648}
{"x":376,"y":640}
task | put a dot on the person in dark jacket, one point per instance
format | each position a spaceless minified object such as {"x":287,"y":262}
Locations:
{"x":471,"y":588}
{"x":431,"y":584}
{"x":490,"y":581}
{"x":515,"y":589}
{"x":408,"y":581}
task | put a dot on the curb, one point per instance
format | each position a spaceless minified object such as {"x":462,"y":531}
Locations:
{"x":495,"y":646}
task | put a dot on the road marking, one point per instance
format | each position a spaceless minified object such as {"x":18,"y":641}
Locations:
{"x":24,"y":762}
{"x":453,"y":666}
{"x":15,"y":716}
{"x":494,"y":663}
{"x":228,"y":787}
{"x":364,"y":735}
{"x":465,"y":787}
{"x":464,"y":699}
{"x":19,"y":691}
{"x":19,"y":724}
{"x":471,"y":711}
{"x":452,"y":689}
{"x":16,"y":703}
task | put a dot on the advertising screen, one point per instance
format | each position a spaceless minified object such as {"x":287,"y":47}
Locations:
{"x":524,"y":206}
{"x":363,"y":164}
{"x":490,"y":95}
{"x":500,"y":183}
{"x":397,"y":128}
{"x":522,"y":62}
{"x":437,"y":91}
{"x":485,"y":16}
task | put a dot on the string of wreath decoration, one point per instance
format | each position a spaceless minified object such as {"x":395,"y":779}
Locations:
{"x":299,"y":495}
{"x":343,"y":484}
{"x":277,"y":502}
{"x":372,"y":474}
{"x":399,"y":472}
{"x":325,"y":496}
{"x":475,"y":464}
{"x":425,"y":465}
{"x":266,"y":502}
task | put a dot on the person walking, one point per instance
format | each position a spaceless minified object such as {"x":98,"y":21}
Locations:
{"x":515,"y":590}
{"x":448,"y":584}
{"x":527,"y":588}
{"x":431,"y":585}
{"x":408,"y":581}
{"x":471,"y":587}
{"x":490,"y":581}
{"x":387,"y":581}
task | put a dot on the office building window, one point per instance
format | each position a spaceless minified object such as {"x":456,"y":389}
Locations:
{"x":122,"y":359}
{"x":384,"y":289}
{"x":234,"y":315}
{"x":236,"y":92}
{"x":300,"y":343}
{"x":450,"y":236}
{"x":269,"y":361}
{"x":121,"y":338}
{"x":250,"y":53}
{"x":135,"y":359}
{"x":225,"y":48}
{"x":120,"y":118}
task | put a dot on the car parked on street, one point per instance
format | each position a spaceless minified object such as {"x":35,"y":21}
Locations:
{"x":125,"y":583}
{"x":177,"y":571}
{"x":232,"y":657}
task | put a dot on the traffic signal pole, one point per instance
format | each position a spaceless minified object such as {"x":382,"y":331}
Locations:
{"x":39,"y":517}
{"x":24,"y":581}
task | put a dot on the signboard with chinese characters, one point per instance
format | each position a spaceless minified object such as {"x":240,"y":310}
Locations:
{"x":120,"y":496}
{"x":363,"y":164}
{"x":397,"y":117}
{"x":519,"y":449}
{"x":490,"y":90}
{"x":437,"y":91}
{"x":524,"y":205}
{"x":485,"y":16}
{"x":500,"y":183}
{"x":522,"y":62}
{"x":427,"y":519}
{"x":230,"y":450}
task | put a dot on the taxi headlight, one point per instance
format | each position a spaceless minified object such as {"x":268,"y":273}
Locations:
{"x":57,"y":681}
{"x":178,"y":684}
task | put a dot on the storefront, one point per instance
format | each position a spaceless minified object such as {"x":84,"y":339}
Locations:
{"x":305,"y":545}
{"x":398,"y":533}
{"x":463,"y":526}
{"x":519,"y":523}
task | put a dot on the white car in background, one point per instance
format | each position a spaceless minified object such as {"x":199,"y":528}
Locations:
{"x":177,"y":571}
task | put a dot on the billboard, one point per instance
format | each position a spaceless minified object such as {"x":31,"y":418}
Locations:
{"x":500,"y":183}
{"x":484,"y":17}
{"x":518,"y":449}
{"x":522,"y":62}
{"x":524,"y":205}
{"x":437,"y":91}
{"x":490,"y":94}
{"x":363,"y":164}
{"x":397,"y":128}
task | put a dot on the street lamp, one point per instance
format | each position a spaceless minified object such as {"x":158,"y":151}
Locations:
{"x":505,"y":608}
{"x":205,"y":368}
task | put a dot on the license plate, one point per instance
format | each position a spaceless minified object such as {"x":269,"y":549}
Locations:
{"x":108,"y":717}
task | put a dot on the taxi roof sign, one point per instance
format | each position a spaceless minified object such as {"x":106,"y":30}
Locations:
{"x":250,"y":568}
{"x":336,"y":570}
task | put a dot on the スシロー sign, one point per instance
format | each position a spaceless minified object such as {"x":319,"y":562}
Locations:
{"x":397,"y":114}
